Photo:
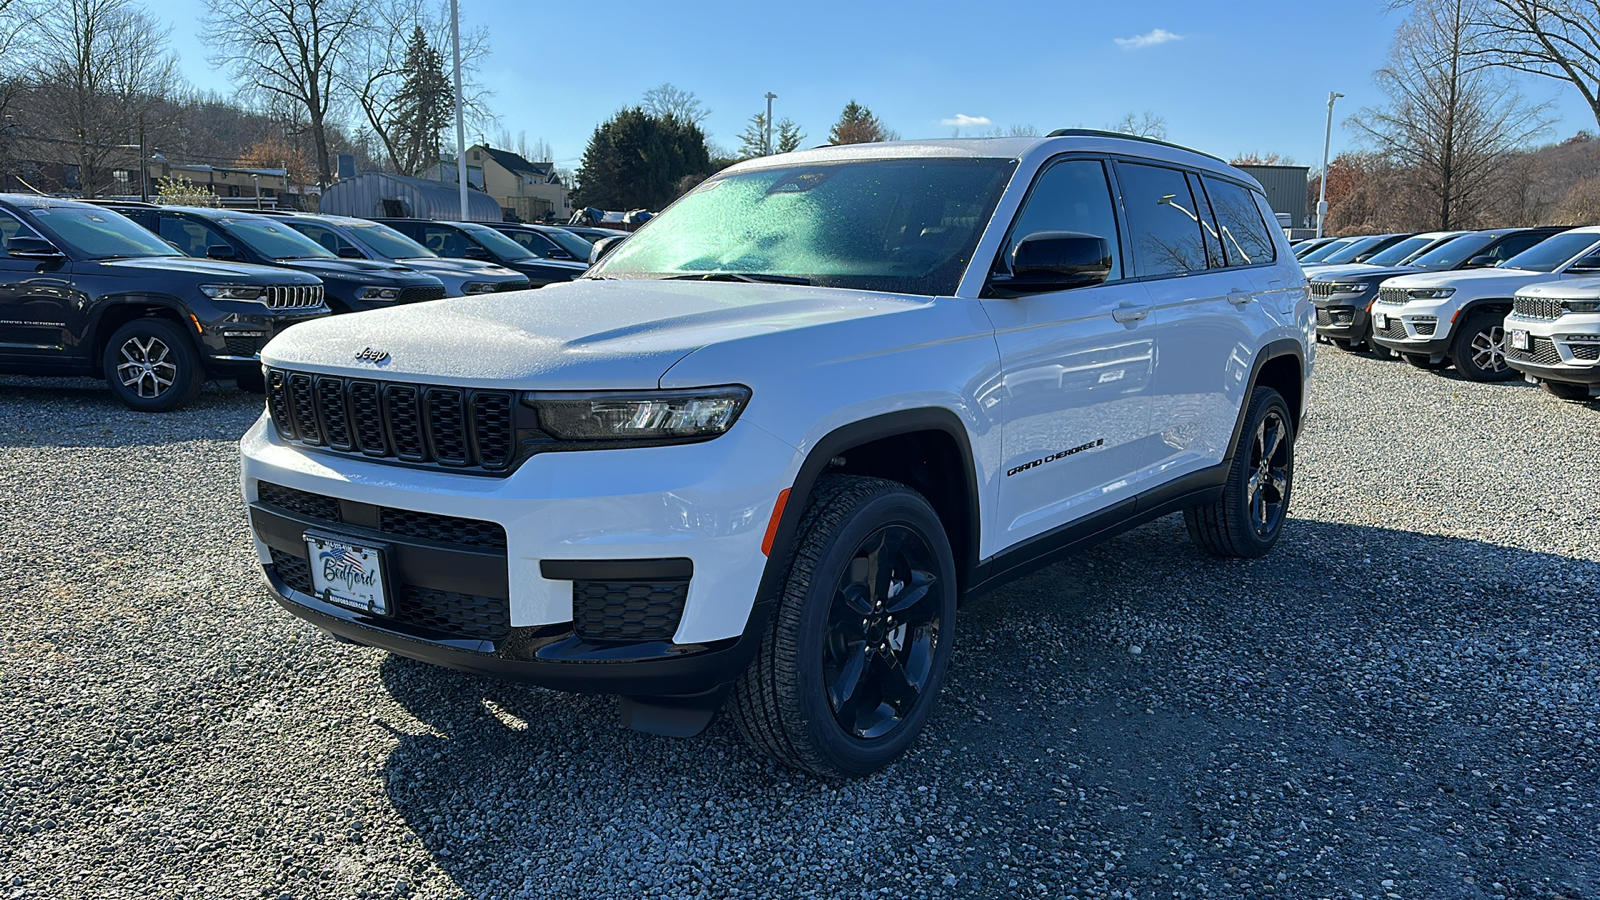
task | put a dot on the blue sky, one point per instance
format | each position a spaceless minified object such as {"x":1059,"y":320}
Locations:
{"x":1250,"y":76}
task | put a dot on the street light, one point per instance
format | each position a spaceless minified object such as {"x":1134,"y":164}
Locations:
{"x":1322,"y":189}
{"x":461,"y":126}
{"x":770,"y":97}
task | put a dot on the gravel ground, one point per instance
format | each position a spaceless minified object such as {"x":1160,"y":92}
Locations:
{"x":1400,"y":701}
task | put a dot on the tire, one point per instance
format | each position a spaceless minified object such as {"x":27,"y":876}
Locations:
{"x":1479,"y":349}
{"x":794,"y":702}
{"x":1423,"y":362}
{"x":1249,"y":517}
{"x":252,"y":382}
{"x":1578,"y":393}
{"x":151,"y":365}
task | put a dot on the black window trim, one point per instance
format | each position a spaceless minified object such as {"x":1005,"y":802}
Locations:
{"x":1118,"y":159}
{"x":1116,"y":213}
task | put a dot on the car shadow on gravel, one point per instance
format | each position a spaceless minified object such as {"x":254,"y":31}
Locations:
{"x":81,"y":412}
{"x":1364,"y":710}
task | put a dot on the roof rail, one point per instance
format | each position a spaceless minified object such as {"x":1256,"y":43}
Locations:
{"x":1095,"y":132}
{"x":100,"y":201}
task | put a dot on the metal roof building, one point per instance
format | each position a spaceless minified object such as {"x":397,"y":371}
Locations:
{"x":379,"y":194}
{"x":1285,"y":187}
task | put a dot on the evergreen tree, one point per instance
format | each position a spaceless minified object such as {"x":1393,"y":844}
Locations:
{"x":857,"y":125}
{"x":786,"y":137}
{"x":636,"y":160}
{"x":789,"y":137}
{"x":424,"y":107}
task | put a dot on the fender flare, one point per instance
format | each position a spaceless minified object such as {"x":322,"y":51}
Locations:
{"x":91,"y":334}
{"x":1277,"y":349}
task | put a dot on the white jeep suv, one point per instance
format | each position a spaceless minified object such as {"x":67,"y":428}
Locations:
{"x":760,"y":451}
{"x":1553,"y":337}
{"x":1438,"y":319}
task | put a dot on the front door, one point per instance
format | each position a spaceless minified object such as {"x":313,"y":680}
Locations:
{"x":35,"y":300}
{"x":1076,"y":369}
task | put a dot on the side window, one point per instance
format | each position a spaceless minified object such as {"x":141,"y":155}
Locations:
{"x":1515,"y":244}
{"x":443,"y":241}
{"x":1245,"y":238}
{"x":193,"y":238}
{"x":329,"y":240}
{"x":1163,"y":220}
{"x":1209,"y":231}
{"x":1070,"y":196}
{"x":9,"y":228}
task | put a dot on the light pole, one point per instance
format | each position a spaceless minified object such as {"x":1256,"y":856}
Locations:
{"x":461,"y":120}
{"x":770,"y":97}
{"x":1322,"y":189}
{"x":256,"y":180}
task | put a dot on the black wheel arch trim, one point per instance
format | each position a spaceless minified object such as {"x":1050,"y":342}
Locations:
{"x":92,"y":334}
{"x":1274,"y":350}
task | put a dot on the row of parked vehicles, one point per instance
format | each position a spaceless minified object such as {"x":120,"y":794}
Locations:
{"x":1496,"y":305}
{"x":156,"y":299}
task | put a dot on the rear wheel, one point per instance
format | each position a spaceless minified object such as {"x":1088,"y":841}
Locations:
{"x":151,"y":365}
{"x":1247,"y":520}
{"x":856,"y":652}
{"x":1479,"y":348}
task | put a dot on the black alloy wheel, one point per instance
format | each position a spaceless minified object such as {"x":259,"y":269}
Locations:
{"x":1267,"y":486}
{"x":151,"y":365}
{"x":1248,"y":518}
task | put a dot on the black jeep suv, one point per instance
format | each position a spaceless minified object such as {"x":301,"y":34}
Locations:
{"x":352,"y":285}
{"x":84,"y":291}
{"x":474,"y":240}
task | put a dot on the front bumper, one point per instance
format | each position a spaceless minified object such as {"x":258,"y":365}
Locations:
{"x":1414,"y":329}
{"x":1343,"y":317}
{"x":232,"y":342}
{"x":1564,"y":350}
{"x":526,"y":609}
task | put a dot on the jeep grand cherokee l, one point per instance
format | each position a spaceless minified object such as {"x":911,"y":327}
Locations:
{"x":84,"y":291}
{"x":758,"y":453}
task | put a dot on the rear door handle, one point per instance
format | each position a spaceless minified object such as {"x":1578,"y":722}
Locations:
{"x":1127,"y":313}
{"x":1239,"y":296}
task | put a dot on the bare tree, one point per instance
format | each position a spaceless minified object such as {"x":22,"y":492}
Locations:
{"x":671,"y":100}
{"x":18,"y":34}
{"x":288,"y":55}
{"x":1145,"y":124}
{"x":104,"y":65}
{"x":1261,"y":159}
{"x":1453,"y":124}
{"x":1557,"y":39}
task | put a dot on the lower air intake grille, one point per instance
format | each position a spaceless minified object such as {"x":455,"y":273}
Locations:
{"x":627,"y":610}
{"x":445,"y":529}
{"x":1585,"y":352}
{"x":315,"y":506}
{"x":1543,"y":352}
{"x":295,"y":572}
{"x":464,"y":614}
{"x":421,"y":293}
{"x":1394,"y":331}
{"x":1323,"y":318}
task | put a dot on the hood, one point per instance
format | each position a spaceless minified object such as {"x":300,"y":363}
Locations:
{"x":363,"y":269}
{"x":462,"y":268}
{"x":1317,"y":270}
{"x":583,"y":335}
{"x":1476,"y":280}
{"x":1586,"y":288}
{"x":1358,"y":273}
{"x":207,"y":268}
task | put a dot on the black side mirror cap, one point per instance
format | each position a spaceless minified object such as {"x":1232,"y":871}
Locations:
{"x":475,"y":252}
{"x":1363,"y":257}
{"x":348,"y":252}
{"x":1058,"y":261}
{"x":558,"y":253}
{"x":1482,"y":262}
{"x":602,"y":247}
{"x":32,"y":248}
{"x":220,"y":251}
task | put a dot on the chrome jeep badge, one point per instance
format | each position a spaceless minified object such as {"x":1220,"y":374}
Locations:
{"x":371,"y":355}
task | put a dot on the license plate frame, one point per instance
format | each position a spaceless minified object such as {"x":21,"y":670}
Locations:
{"x":348,"y":572}
{"x":1380,"y":321}
{"x":1520,"y":339}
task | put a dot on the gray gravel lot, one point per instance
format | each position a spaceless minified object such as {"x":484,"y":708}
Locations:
{"x":1400,"y":701}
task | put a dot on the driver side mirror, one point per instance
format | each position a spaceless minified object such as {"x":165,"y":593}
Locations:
{"x":558,"y":253}
{"x":1482,"y":262}
{"x":349,"y":252}
{"x":602,"y":247}
{"x":475,"y":252}
{"x":220,"y":251}
{"x":32,"y":248}
{"x":1059,"y":261}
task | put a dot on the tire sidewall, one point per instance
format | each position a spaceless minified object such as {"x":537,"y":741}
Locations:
{"x":184,"y":386}
{"x":844,"y":751}
{"x":1471,"y":326}
{"x":1238,"y":496}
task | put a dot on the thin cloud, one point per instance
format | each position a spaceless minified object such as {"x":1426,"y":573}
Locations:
{"x":1148,"y":39}
{"x":962,"y":120}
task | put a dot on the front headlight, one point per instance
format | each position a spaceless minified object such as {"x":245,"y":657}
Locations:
{"x":1348,"y":288}
{"x":1430,"y":293}
{"x":380,"y":293}
{"x":478,"y":287}
{"x":627,"y":416}
{"x":1581,"y":306}
{"x":233,"y":291}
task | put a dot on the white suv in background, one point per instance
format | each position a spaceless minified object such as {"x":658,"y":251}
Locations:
{"x":1553,"y":337}
{"x":758,"y":453}
{"x":1438,"y":319}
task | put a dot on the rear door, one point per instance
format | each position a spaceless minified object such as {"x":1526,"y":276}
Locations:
{"x":1076,"y":368}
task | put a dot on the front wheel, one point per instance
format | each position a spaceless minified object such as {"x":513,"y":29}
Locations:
{"x":151,"y":365}
{"x":856,"y":652}
{"x":1248,"y":518}
{"x":1479,"y":348}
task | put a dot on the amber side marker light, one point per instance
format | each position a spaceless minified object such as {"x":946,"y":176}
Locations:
{"x":196,"y":322}
{"x":772,"y":524}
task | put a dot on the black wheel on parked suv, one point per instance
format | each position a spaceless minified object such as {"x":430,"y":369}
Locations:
{"x":1479,"y":348}
{"x":1247,"y":520}
{"x":151,"y":365}
{"x":1576,"y":392}
{"x":855,"y":654}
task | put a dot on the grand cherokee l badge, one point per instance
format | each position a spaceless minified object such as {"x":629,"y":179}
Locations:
{"x":371,"y":355}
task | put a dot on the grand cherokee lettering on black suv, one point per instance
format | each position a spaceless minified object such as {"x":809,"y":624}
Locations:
{"x":84,"y":291}
{"x":758,"y":453}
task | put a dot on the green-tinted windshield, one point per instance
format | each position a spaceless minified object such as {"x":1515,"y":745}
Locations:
{"x":907,"y":226}
{"x":389,"y":243}
{"x":274,"y":240}
{"x":98,"y":233}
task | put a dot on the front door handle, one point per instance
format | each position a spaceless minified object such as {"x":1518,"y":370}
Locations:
{"x":1127,"y":313}
{"x":1240,"y":297}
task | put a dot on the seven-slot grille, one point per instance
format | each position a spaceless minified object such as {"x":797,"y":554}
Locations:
{"x":449,"y":427}
{"x":292,"y":296}
{"x":1392,"y":295}
{"x":1537,"y":307}
{"x":1322,"y":289}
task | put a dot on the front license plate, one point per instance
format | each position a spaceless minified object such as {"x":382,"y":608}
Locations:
{"x":1379,"y":320}
{"x":347,"y":573}
{"x":1519,"y":340}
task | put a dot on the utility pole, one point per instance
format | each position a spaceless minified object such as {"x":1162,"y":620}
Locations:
{"x":1322,"y":189}
{"x":461,"y":117}
{"x":770,"y":97}
{"x":144,"y":165}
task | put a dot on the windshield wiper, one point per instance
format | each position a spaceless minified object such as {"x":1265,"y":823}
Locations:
{"x":753,"y":277}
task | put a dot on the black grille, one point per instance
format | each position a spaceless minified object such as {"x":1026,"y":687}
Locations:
{"x":1542,"y":352}
{"x":521,"y":285}
{"x":295,"y":571}
{"x":449,"y":427}
{"x":1424,"y":329}
{"x":1536,"y":307}
{"x":1395,"y":330}
{"x":488,"y":618}
{"x":448,"y":529}
{"x":419,"y":293}
{"x":1585,"y":352}
{"x":244,"y":345}
{"x":1323,"y":318}
{"x":307,"y":504}
{"x":1392,"y":295}
{"x":627,"y":610}
{"x":1321,"y":289}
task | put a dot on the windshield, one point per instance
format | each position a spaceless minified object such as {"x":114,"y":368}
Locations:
{"x":1395,"y":254}
{"x":1452,"y":253}
{"x":907,"y":226}
{"x":274,"y":241}
{"x":97,"y":233}
{"x":387,"y":242}
{"x":1349,"y":252}
{"x":1330,"y":247}
{"x":1550,"y":254}
{"x":577,"y":246}
{"x":497,"y":243}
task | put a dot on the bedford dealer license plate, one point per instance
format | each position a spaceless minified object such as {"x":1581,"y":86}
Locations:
{"x":347,"y":573}
{"x":1519,"y":339}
